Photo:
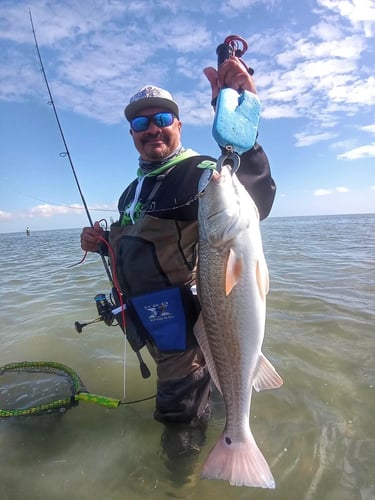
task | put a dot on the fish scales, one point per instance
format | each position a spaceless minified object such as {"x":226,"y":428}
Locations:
{"x":232,"y":285}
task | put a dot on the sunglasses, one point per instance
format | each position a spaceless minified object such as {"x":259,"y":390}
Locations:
{"x":141,"y":123}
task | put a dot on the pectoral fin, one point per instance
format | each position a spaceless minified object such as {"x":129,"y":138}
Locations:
{"x":234,"y":270}
{"x":262,"y":277}
{"x":266,"y":377}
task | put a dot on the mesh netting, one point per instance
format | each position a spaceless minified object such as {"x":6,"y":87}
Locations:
{"x":36,"y":387}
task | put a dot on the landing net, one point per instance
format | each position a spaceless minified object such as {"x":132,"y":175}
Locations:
{"x":37,"y":387}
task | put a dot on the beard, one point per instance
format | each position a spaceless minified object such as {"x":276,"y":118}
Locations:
{"x":159,"y":151}
{"x":158,"y":154}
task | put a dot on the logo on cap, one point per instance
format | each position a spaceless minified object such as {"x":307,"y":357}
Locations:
{"x":150,"y":91}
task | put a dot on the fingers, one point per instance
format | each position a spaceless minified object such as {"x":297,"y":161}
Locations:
{"x":91,"y":237}
{"x":232,"y":73}
{"x":211,"y":75}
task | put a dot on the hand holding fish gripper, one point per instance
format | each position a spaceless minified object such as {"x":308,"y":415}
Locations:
{"x":237,"y":111}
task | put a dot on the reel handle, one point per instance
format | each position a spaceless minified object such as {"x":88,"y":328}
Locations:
{"x":78,"y":326}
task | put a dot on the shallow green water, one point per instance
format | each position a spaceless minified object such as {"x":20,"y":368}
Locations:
{"x":317,"y":432}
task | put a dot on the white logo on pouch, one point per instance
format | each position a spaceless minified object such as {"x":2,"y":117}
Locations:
{"x":158,"y":312}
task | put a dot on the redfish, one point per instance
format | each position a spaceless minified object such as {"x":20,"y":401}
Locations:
{"x":232,"y":280}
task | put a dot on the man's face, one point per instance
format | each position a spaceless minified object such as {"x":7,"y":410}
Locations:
{"x":156,"y":143}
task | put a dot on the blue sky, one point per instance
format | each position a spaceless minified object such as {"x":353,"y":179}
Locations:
{"x":314,"y":69}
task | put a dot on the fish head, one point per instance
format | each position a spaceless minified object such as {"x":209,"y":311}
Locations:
{"x":225,"y":208}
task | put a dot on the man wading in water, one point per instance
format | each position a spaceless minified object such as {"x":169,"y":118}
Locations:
{"x":155,"y":241}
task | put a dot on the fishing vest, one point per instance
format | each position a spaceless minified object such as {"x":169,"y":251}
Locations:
{"x":156,"y":255}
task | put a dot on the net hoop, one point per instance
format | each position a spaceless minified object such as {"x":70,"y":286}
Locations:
{"x":78,"y":389}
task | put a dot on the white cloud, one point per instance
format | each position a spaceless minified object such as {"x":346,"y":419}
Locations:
{"x":326,"y":192}
{"x":367,"y":151}
{"x":97,"y":55}
{"x":305,"y":139}
{"x":369,"y":128}
{"x":5,"y":215}
{"x":322,"y":192}
{"x":231,"y":7}
{"x":360,"y":92}
{"x":346,"y":144}
{"x":49,"y":210}
{"x":315,"y":80}
{"x":326,"y":31}
{"x":270,"y":111}
{"x":361,"y":13}
{"x":308,"y":49}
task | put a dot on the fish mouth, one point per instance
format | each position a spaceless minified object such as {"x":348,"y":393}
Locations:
{"x":215,"y":214}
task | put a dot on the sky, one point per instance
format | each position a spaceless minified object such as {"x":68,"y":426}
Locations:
{"x":314,"y":71}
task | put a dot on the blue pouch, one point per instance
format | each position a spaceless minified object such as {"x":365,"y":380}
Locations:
{"x":163,"y":317}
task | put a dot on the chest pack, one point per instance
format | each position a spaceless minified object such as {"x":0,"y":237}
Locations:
{"x":157,"y":255}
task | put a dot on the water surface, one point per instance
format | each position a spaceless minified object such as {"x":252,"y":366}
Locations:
{"x":317,"y":432}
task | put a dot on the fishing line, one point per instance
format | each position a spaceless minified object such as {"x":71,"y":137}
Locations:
{"x":124,"y":370}
{"x":71,"y":207}
{"x":54,"y":204}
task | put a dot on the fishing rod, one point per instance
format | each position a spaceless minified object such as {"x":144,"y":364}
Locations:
{"x":108,"y":311}
{"x":66,"y":152}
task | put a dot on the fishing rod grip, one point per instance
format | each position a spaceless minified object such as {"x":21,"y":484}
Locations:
{"x":142,"y":365}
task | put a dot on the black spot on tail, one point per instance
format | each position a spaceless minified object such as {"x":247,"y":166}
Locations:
{"x":228,"y":440}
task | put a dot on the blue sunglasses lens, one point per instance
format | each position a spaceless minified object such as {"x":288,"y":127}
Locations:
{"x":163,"y":119}
{"x":141,"y":123}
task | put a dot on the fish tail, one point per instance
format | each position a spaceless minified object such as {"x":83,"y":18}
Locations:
{"x":241,"y":463}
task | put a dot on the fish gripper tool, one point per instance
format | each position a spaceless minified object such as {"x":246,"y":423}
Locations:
{"x":229,"y":157}
{"x":237,"y":112}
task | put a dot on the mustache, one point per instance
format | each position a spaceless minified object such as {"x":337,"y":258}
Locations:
{"x":150,"y":137}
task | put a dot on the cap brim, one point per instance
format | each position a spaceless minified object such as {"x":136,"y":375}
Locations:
{"x":132,"y":109}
